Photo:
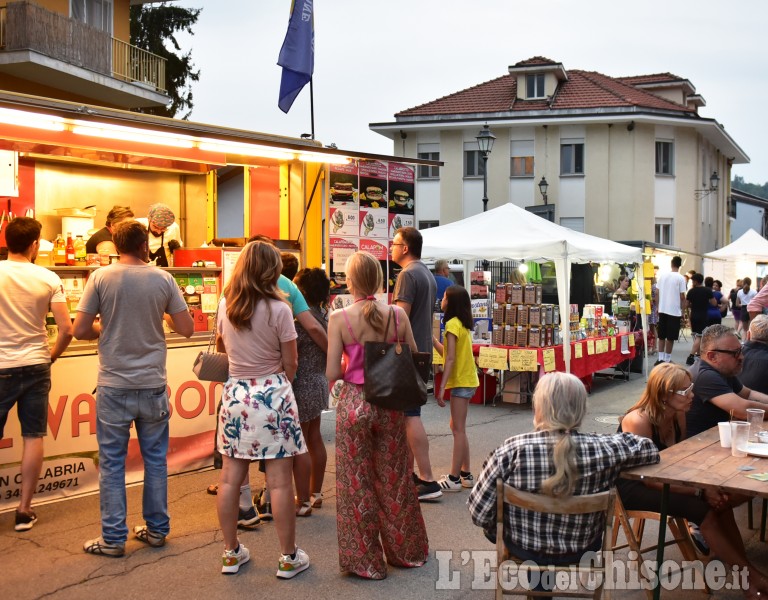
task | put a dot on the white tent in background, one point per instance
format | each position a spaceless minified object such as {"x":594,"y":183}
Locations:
{"x":512,"y":233}
{"x":738,"y":259}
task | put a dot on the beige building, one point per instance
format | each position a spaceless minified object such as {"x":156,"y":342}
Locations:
{"x":626,"y":158}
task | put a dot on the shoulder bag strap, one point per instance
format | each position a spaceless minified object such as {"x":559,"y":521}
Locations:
{"x":212,"y":340}
{"x":398,"y":345}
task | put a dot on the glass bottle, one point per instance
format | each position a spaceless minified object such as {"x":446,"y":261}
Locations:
{"x":59,"y":251}
{"x":70,"y":251}
{"x":79,"y":246}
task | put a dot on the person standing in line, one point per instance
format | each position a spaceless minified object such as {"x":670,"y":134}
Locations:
{"x":377,"y":510}
{"x":442,"y":278}
{"x":671,"y":301}
{"x":415,"y":292}
{"x":131,"y":300}
{"x":700,"y":299}
{"x":460,"y":378}
{"x":27,"y":293}
{"x":258,"y":417}
{"x":311,"y":390}
{"x":755,"y":352}
{"x":163,"y":229}
{"x":101,"y":241}
{"x":744,"y":296}
{"x":735,"y":308}
{"x":653,"y":318}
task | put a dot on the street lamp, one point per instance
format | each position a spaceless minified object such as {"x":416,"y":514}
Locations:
{"x":714,"y":182}
{"x":543,"y":187}
{"x":485,"y":141}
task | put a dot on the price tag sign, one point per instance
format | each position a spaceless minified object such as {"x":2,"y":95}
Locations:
{"x":523,"y":360}
{"x":631,"y":337}
{"x":601,"y":346}
{"x":493,"y":358}
{"x":613,"y":344}
{"x":590,"y":347}
{"x":548,"y":356}
{"x":437,"y":358}
{"x":578,"y":350}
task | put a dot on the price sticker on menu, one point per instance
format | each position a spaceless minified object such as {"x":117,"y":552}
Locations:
{"x":548,"y":357}
{"x":523,"y":360}
{"x":493,"y":358}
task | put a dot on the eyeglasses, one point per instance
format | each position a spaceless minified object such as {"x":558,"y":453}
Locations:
{"x":685,"y":391}
{"x":734,"y":353}
{"x":398,"y":244}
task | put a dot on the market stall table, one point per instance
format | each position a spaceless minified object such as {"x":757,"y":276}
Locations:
{"x":701,"y":462}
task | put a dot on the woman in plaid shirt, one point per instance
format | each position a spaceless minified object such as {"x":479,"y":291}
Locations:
{"x":557,"y":460}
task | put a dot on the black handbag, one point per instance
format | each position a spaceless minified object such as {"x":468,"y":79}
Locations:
{"x":209,"y":364}
{"x":395,"y":378}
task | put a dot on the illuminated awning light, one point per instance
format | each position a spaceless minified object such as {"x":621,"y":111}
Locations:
{"x":330,"y":159}
{"x":246,"y":150}
{"x":30,"y":119}
{"x":131,"y":134}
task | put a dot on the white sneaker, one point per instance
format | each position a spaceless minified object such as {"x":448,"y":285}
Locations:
{"x":287,"y":568}
{"x":448,"y":485}
{"x":232,"y":560}
{"x":468,"y":481}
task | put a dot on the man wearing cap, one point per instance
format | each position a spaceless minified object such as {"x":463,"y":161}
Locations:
{"x":163,"y":230}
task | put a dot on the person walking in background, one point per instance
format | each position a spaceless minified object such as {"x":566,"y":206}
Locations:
{"x":735,"y":308}
{"x":311,"y":390}
{"x":131,"y":300}
{"x":671,"y":301}
{"x":459,"y":379}
{"x":258,"y":418}
{"x":377,"y":510}
{"x":700,"y":299}
{"x":101,"y":241}
{"x":755,"y":353}
{"x":556,"y":459}
{"x":415,"y":293}
{"x":442,"y":278}
{"x":717,"y":288}
{"x":743,"y":297}
{"x":659,"y":416}
{"x":27,"y":293}
{"x":653,"y":318}
{"x":714,"y":311}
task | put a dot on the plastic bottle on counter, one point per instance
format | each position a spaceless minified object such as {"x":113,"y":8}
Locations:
{"x":79,"y":246}
{"x":70,"y":251}
{"x":59,"y":251}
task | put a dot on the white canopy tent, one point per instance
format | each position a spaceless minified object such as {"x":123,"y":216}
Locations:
{"x":738,"y":259}
{"x":512,"y":233}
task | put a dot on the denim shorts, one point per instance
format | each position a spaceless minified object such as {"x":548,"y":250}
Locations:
{"x":414,"y":412}
{"x":27,"y":387}
{"x":463,"y":392}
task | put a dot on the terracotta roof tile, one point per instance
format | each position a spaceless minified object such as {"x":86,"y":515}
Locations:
{"x":535,"y":60}
{"x":655,"y":78}
{"x":582,"y":90}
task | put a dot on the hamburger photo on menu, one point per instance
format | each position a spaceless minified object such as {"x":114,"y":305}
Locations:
{"x":342,"y":191}
{"x":373,"y":196}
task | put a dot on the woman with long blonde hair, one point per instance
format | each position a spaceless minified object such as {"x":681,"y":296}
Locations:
{"x":377,"y":510}
{"x":258,"y":417}
{"x":659,"y":416}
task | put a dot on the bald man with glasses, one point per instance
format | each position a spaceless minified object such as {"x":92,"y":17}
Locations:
{"x":717,"y":391}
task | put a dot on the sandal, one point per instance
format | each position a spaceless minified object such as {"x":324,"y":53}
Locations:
{"x":304,"y":509}
{"x":152,"y":538}
{"x":317,"y":500}
{"x":102,"y":548}
{"x":213,"y":489}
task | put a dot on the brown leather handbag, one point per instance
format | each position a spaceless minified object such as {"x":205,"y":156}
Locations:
{"x":395,"y":377}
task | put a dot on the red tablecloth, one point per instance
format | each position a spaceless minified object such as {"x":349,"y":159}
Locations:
{"x":587,"y":364}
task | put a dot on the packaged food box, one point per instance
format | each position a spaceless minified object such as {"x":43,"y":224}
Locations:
{"x":509,"y":335}
{"x":546,"y":314}
{"x":501,"y":293}
{"x":534,"y":315}
{"x":547,"y":336}
{"x":510,"y":316}
{"x":497,"y":336}
{"x":521,"y":337}
{"x":534,"y":337}
{"x":556,"y":314}
{"x":538,"y":293}
{"x":529,"y":294}
{"x":498,"y":313}
{"x":517,"y":294}
{"x":522,"y":315}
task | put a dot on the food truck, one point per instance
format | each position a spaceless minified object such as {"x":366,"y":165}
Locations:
{"x":67,"y":164}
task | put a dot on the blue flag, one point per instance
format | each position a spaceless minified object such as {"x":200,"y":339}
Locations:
{"x":297,"y":56}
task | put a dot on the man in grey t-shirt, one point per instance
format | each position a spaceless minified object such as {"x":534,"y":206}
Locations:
{"x":415,"y":292}
{"x":131,"y":298}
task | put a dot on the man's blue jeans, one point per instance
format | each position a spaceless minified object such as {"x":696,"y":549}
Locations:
{"x":116,"y":409}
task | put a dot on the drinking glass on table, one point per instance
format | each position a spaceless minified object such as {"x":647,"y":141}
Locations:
{"x":739,"y":438}
{"x":755,"y":418}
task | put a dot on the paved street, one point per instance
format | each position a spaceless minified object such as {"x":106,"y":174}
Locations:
{"x":48,"y":561}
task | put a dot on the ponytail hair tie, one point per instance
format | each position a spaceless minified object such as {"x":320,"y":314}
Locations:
{"x":566,"y":431}
{"x":370,"y":297}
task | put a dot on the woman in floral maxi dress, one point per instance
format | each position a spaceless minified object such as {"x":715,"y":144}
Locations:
{"x":378,"y":512}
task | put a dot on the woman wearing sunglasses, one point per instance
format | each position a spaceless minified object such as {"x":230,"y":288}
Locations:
{"x":660,"y":416}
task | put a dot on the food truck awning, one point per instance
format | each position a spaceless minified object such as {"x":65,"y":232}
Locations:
{"x":65,"y":130}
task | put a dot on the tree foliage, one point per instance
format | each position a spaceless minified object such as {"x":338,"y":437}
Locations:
{"x":750,"y":188}
{"x":154,"y":28}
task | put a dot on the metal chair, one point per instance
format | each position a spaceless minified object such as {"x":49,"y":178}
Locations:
{"x":572,"y":505}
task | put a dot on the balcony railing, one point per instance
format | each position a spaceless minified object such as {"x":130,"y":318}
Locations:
{"x":27,"y":26}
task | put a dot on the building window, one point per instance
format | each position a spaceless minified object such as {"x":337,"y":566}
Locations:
{"x":664,"y":231}
{"x":428,"y":152}
{"x":473,"y":160}
{"x":534,"y":86}
{"x":96,"y":13}
{"x":571,"y":157}
{"x":428,"y":224}
{"x":574,"y":223}
{"x":522,"y":158}
{"x":664,"y":158}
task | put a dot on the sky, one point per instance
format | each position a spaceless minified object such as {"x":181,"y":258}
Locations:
{"x":373,"y":59}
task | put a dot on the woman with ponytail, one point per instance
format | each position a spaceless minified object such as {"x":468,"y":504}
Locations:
{"x":556,"y":459}
{"x":377,"y":510}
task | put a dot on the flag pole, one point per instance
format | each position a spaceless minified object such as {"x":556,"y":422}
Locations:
{"x":312,"y":106}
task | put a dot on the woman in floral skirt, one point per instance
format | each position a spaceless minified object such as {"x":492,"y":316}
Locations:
{"x":377,"y":510}
{"x":258,"y":418}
